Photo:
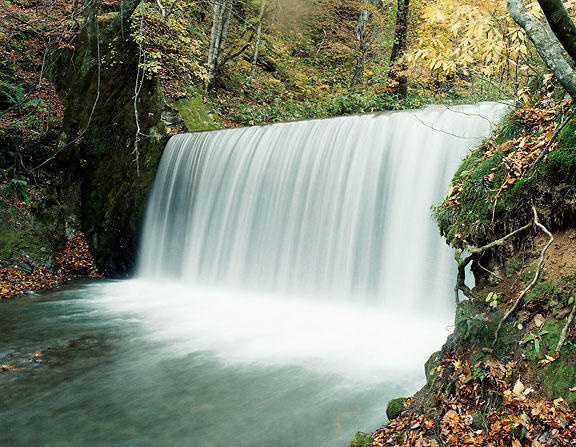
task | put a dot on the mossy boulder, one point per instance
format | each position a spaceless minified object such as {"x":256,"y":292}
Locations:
{"x":395,"y":407}
{"x":35,"y":234}
{"x":362,"y":440}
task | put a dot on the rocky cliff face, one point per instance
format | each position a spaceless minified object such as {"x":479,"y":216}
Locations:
{"x":114,"y":161}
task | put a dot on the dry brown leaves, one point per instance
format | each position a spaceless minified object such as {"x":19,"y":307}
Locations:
{"x":479,"y":407}
{"x":518,"y":154}
{"x":75,"y":260}
{"x":14,"y":282}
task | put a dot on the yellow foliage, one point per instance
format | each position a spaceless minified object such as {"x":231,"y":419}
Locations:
{"x":469,"y":38}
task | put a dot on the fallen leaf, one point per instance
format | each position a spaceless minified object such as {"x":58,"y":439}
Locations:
{"x":518,"y":387}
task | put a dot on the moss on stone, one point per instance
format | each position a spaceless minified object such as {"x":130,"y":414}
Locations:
{"x":195,"y":113}
{"x":479,"y":218}
{"x":395,"y":407}
{"x":559,"y":376}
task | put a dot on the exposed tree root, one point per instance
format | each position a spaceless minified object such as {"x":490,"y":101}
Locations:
{"x":565,"y":331}
{"x":534,"y":280}
{"x":461,"y":276}
{"x":475,"y":253}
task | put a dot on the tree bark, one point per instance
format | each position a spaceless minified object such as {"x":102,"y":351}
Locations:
{"x":400,"y":38}
{"x":257,"y":43}
{"x":561,"y":24}
{"x":548,"y":47}
{"x":218,"y":36}
{"x":361,"y":32}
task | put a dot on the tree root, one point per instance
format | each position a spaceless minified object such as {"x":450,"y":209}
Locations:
{"x":565,"y":331}
{"x":475,"y":252}
{"x":534,"y":280}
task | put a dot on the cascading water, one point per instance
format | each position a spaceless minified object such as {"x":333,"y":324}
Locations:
{"x":291,"y":282}
{"x":308,"y":243}
{"x":334,"y":208}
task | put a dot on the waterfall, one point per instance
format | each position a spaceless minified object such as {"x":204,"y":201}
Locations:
{"x":331,"y":209}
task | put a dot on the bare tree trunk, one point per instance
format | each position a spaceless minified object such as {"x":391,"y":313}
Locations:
{"x":561,"y":24}
{"x":546,"y":45}
{"x":400,"y":38}
{"x":218,"y":35}
{"x":257,"y":43}
{"x":361,"y":34}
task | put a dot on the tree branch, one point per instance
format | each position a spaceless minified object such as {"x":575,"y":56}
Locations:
{"x":560,"y":24}
{"x":475,"y":253}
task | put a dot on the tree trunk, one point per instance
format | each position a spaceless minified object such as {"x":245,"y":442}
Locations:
{"x":400,"y":86}
{"x":257,"y":43}
{"x":361,"y":32}
{"x":218,"y":35}
{"x":561,"y":24}
{"x":547,"y":46}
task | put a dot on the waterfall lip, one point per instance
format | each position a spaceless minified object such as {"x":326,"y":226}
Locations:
{"x":508,"y":102}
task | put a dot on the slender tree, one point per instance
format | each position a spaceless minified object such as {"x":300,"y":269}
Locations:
{"x":549,"y":44}
{"x":257,"y":42}
{"x":219,"y":34}
{"x":362,"y":33}
{"x":400,"y":83}
{"x":561,"y":24}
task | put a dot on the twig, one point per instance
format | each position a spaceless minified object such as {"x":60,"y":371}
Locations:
{"x":137,"y":88}
{"x":565,"y":331}
{"x":534,"y":280}
{"x":489,"y":271}
{"x":475,"y":252}
{"x":497,"y":242}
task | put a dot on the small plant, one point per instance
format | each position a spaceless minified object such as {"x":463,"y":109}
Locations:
{"x":17,"y":188}
{"x":492,"y":299}
{"x":478,"y":373}
{"x":471,"y":323}
{"x":536,"y":339}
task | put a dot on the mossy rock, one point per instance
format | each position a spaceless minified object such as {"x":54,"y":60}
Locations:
{"x":395,"y":407}
{"x":116,"y":174}
{"x":196,"y":114}
{"x":362,"y":440}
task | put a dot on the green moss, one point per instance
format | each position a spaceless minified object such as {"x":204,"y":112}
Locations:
{"x":26,"y":239}
{"x":9,"y":239}
{"x":558,"y":378}
{"x":567,"y":137}
{"x":362,"y":440}
{"x":478,"y":216}
{"x":544,"y":290}
{"x":395,"y":407}
{"x":196,"y":114}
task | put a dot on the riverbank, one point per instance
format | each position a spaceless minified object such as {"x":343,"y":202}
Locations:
{"x":74,"y":261}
